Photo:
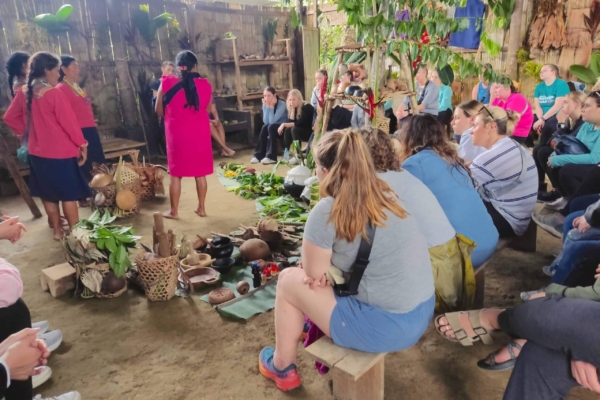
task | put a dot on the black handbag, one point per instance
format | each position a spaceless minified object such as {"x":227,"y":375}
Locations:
{"x":359,"y":266}
{"x":566,"y":144}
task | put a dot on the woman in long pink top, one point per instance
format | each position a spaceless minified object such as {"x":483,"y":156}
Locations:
{"x":56,"y":145}
{"x":185,"y":104}
{"x":82,"y":106}
{"x":508,"y":98}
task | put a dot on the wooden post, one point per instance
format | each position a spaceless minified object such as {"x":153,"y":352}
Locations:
{"x":515,"y":41}
{"x":288,"y":52}
{"x":238,"y":76}
{"x":406,"y":69}
{"x":323,"y":117}
{"x":11,"y":165}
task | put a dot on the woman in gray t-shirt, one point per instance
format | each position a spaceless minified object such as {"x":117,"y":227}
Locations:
{"x":395,"y":298}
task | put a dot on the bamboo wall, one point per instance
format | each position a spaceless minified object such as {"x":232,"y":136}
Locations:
{"x":100,"y":33}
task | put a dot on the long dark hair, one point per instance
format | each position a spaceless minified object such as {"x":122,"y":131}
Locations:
{"x":14,"y":67}
{"x":186,"y":61}
{"x":39,"y":63}
{"x":424,"y":131}
{"x":65,"y":61}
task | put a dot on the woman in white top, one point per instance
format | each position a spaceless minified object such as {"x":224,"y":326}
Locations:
{"x":462,"y":124}
{"x":505,"y":172}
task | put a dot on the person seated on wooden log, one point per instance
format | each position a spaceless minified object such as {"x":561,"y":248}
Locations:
{"x":429,"y":156}
{"x":274,"y":114}
{"x":82,"y":106}
{"x":427,"y":93}
{"x":16,"y":67}
{"x":575,"y":107}
{"x":299,"y":125}
{"x":56,"y":146}
{"x":505,"y":172}
{"x":217,"y":131}
{"x":557,"y":345}
{"x":395,"y":299}
{"x":462,"y":124}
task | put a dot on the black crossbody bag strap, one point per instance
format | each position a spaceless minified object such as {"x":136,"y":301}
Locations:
{"x":359,"y":266}
{"x":171,"y":93}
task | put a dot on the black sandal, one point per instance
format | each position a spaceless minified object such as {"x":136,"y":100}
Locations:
{"x":490,"y":363}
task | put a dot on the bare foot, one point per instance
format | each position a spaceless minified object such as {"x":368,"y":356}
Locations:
{"x":228,"y":153}
{"x":84,"y":203}
{"x":63,"y":222}
{"x":59,"y":234}
{"x":170,"y":215}
{"x":201,"y":212}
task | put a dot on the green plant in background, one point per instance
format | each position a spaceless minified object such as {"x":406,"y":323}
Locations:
{"x":97,"y":239}
{"x":330,"y":39}
{"x":147,"y":27}
{"x":502,"y":10}
{"x":533,"y":69}
{"x":282,"y":208}
{"x":270,"y":31}
{"x":55,"y":22}
{"x":522,"y":56}
{"x":589,"y":75}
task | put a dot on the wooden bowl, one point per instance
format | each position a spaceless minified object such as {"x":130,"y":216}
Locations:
{"x":220,"y":295}
{"x":199,"y":277}
{"x":205,"y":261}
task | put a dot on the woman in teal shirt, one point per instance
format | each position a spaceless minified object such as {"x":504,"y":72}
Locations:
{"x":444,"y":99}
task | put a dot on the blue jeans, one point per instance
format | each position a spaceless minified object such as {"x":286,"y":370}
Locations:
{"x":576,"y":263}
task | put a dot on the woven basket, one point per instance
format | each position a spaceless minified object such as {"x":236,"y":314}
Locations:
{"x":158,"y":276}
{"x":349,"y":37}
{"x":151,"y":180}
{"x":383,"y":123}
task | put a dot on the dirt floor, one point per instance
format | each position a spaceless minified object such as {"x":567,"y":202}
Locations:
{"x":129,"y":348}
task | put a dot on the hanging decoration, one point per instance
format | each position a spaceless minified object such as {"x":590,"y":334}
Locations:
{"x":55,"y":23}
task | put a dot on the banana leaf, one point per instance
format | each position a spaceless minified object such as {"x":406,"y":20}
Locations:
{"x":584,"y":74}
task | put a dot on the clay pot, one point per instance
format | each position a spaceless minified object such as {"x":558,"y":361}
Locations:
{"x":220,"y":295}
{"x":273,"y":238}
{"x":205,"y":261}
{"x":111,"y":284}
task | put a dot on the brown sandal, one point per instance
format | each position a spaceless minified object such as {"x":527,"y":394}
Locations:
{"x":458,"y":322}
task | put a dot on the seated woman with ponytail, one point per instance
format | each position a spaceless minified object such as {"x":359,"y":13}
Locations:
{"x":395,"y":297}
{"x":185,"y":104}
{"x":505,"y":172}
{"x":56,"y":144}
{"x":274,"y":115}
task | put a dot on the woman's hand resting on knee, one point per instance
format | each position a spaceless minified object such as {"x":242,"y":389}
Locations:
{"x":314,"y":283}
{"x":586,"y":375}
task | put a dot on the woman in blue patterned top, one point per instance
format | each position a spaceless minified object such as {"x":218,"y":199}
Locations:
{"x":481,"y":91}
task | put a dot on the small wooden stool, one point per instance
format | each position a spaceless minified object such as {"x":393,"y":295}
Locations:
{"x":356,"y":375}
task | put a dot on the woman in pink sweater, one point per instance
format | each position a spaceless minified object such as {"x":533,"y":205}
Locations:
{"x":42,"y":116}
{"x":508,"y":98}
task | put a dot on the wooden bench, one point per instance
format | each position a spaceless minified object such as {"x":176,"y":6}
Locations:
{"x":117,"y":147}
{"x":356,"y":375}
{"x":527,"y":242}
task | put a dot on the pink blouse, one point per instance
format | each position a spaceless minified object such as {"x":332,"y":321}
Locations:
{"x":54,"y":131}
{"x":11,"y":285}
{"x":519,"y":104}
{"x":81,"y":105}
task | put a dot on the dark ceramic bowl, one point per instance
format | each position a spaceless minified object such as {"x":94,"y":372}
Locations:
{"x":351,"y":89}
{"x":223,"y":248}
{"x":223,"y":265}
{"x":293,"y":189}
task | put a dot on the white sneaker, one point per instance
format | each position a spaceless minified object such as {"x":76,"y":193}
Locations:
{"x":67,"y":396}
{"x":267,"y":161}
{"x":557,"y":204}
{"x":254,"y":160}
{"x":43,"y":325}
{"x":53,"y":339}
{"x":44,"y":374}
{"x":293,"y":161}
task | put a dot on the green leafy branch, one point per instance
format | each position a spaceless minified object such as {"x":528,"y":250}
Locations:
{"x":588,"y":75}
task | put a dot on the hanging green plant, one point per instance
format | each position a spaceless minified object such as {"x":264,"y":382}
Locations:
{"x":147,"y":27}
{"x":502,"y":10}
{"x":55,"y":23}
{"x":533,"y":69}
{"x":588,"y":75}
{"x":270,"y":30}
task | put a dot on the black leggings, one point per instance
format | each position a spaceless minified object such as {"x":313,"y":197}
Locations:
{"x":571,"y":177}
{"x":550,"y":127}
{"x":292,"y":134}
{"x":589,"y":185}
{"x":505,"y":230}
{"x":12,"y":320}
{"x":267,"y":142}
{"x":558,"y":330}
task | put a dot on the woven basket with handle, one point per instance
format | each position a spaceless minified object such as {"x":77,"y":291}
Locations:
{"x":102,"y":270}
{"x":158,"y":276}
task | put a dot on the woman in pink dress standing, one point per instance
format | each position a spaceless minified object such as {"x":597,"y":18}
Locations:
{"x":185,"y":104}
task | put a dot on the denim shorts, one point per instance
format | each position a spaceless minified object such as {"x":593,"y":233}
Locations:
{"x":357,"y":325}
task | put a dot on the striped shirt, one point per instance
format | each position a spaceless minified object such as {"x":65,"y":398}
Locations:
{"x":500,"y":166}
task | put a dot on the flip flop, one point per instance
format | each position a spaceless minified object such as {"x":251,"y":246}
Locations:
{"x":458,"y":321}
{"x":492,"y":365}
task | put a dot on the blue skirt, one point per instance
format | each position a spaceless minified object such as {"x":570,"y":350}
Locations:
{"x":57,"y":179}
{"x":95,"y":151}
{"x":359,"y":326}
